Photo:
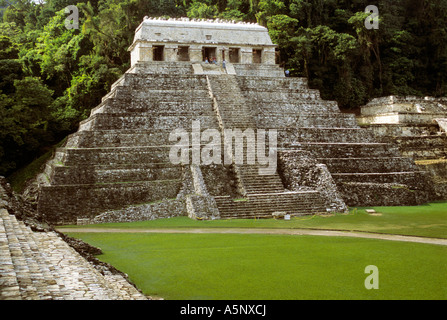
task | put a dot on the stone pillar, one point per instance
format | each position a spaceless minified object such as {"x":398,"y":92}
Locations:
{"x":224,"y":52}
{"x":268,"y":56}
{"x":170,"y":53}
{"x":195,"y":53}
{"x":247,"y":55}
{"x":141,"y":52}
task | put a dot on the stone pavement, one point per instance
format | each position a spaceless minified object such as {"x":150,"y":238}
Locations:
{"x":42,"y":266}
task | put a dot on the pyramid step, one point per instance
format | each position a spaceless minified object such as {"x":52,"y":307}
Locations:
{"x":298,"y":120}
{"x":413,"y":178}
{"x":91,"y":174}
{"x":124,"y":138}
{"x":159,"y":101}
{"x":325,"y":135}
{"x":157,"y":81}
{"x":118,"y":121}
{"x":345,"y":150}
{"x":380,"y":194}
{"x":368,"y":165}
{"x":88,"y":200}
{"x":294,"y":105}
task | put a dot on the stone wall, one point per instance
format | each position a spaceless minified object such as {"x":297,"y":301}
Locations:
{"x":151,"y":211}
{"x":59,"y":208}
{"x":299,"y":170}
{"x":369,"y":194}
{"x":220,"y":180}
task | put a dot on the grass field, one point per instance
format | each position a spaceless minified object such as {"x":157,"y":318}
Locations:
{"x":273,"y":267}
{"x":428,"y":220}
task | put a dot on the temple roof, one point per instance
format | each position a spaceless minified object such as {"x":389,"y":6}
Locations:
{"x":185,"y":30}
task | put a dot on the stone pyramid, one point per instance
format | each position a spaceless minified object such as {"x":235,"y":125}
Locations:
{"x":118,"y":166}
{"x":120,"y":155}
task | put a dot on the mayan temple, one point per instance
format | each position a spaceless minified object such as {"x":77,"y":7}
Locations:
{"x":119,"y":165}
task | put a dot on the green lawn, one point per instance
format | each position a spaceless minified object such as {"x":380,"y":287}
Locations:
{"x":428,"y":220}
{"x":271,"y":267}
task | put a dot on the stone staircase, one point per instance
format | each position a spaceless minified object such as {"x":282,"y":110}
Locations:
{"x":264,"y":205}
{"x":232,"y":108}
{"x":264,"y":194}
{"x":42,"y":266}
{"x":255,"y":183}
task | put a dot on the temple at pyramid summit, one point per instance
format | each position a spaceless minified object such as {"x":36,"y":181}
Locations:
{"x":157,"y":144}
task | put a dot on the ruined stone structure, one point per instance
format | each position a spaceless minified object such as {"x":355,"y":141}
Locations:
{"x":118,"y":166}
{"x":418,"y":126}
{"x":41,"y":265}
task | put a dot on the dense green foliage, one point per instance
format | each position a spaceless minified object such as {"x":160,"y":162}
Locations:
{"x":51,"y":76}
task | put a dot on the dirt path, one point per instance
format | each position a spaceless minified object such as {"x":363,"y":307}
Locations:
{"x":331,"y":233}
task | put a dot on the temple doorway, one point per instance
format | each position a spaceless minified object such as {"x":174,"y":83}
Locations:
{"x":257,"y":55}
{"x":209,"y":52}
{"x":183,"y":53}
{"x":158,"y":53}
{"x":234,"y":55}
